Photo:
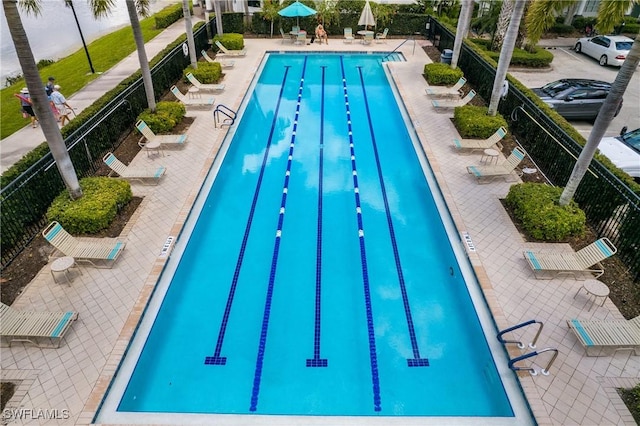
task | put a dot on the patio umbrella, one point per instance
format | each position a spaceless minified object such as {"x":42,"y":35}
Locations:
{"x":296,"y":9}
{"x":366,"y":17}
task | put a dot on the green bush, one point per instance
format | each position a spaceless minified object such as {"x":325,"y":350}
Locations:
{"x":561,"y":29}
{"x":169,"y":15}
{"x":472,"y":122}
{"x":207,"y":72}
{"x":539,"y":58}
{"x":440,"y":74}
{"x":536,"y":207}
{"x":229,"y":40}
{"x":95,"y":210}
{"x":167,"y":116}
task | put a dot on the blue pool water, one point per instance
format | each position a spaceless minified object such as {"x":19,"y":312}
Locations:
{"x":319,"y":278}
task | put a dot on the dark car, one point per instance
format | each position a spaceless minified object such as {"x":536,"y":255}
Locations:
{"x":576,"y":99}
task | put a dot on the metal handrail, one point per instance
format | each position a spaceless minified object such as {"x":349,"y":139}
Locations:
{"x":225,"y":110}
{"x":394,"y":50}
{"x":521,"y":345}
{"x":532,"y":371}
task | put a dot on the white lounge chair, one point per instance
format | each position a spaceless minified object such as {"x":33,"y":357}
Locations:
{"x":165,"y":140}
{"x":487,"y":173}
{"x":470,"y":145}
{"x":203,"y":86}
{"x":224,"y":64}
{"x":99,"y":252}
{"x":201,"y":102}
{"x":140,"y":174}
{"x":348,"y":35}
{"x":34,"y":327}
{"x":546,"y":265}
{"x":597,"y":335}
{"x":455,"y":90}
{"x":228,"y":52}
{"x":286,"y":38}
{"x":382,"y":37}
{"x":442,"y":105}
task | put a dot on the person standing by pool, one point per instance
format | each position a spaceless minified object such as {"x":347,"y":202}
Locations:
{"x":26,"y":104}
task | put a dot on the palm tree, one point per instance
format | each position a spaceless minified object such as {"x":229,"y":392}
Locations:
{"x":461,"y":30}
{"x":541,"y":16}
{"x":506,"y":11}
{"x":189,"y":28}
{"x":142,"y":7}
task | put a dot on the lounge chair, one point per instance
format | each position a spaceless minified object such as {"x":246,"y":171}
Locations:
{"x":34,"y":327}
{"x":547,"y":265}
{"x":442,"y":105}
{"x":228,"y":52}
{"x":204,"y":87}
{"x":166,"y":140}
{"x":143,"y":175}
{"x":470,"y":145}
{"x":596,"y":335}
{"x":348,"y":35}
{"x":487,"y":173}
{"x":224,"y":64}
{"x":435,"y":91}
{"x":286,"y":38}
{"x":206,"y":102}
{"x":382,"y":37}
{"x":99,"y":252}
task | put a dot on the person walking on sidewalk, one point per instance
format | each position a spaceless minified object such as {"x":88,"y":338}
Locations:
{"x":26,"y":104}
{"x":60,"y":102}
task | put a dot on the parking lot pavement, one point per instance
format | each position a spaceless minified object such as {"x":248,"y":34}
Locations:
{"x":569,"y":64}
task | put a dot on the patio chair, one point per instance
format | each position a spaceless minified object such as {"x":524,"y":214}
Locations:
{"x":436,"y":91}
{"x":382,"y":37}
{"x":487,"y":173}
{"x":34,"y":327}
{"x":228,"y":52}
{"x":143,"y":175}
{"x":99,"y":252}
{"x":301,"y":38}
{"x":546,"y":265}
{"x":348,"y":35}
{"x":286,"y":38}
{"x":470,"y":145}
{"x":597,"y":335}
{"x":224,"y":64}
{"x":204,"y":87}
{"x":442,"y":105}
{"x":166,"y":140}
{"x":205,"y":103}
{"x":367,"y":38}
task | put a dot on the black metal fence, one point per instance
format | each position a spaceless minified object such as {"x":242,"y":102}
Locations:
{"x":23,"y":202}
{"x":611,"y":207}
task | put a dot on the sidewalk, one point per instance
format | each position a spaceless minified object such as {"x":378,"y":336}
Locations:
{"x":14,"y":147}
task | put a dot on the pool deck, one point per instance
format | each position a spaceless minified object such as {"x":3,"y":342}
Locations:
{"x":579,"y":390}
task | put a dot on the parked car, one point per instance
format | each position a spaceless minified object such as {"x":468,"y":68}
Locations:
{"x":608,"y":50}
{"x":576,"y":99}
{"x":623,"y":151}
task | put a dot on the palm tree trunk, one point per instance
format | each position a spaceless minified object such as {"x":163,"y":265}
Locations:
{"x":142,"y":54}
{"x":505,"y":56}
{"x":503,"y":23}
{"x":605,"y":116}
{"x":461,"y":30}
{"x":40,"y":100}
{"x":189,"y":29}
{"x":218,"y":13}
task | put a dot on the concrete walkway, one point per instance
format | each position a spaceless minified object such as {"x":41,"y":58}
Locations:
{"x":580,"y":390}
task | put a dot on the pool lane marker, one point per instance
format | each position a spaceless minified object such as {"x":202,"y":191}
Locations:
{"x":416,"y":361}
{"x":316,"y":361}
{"x":373,"y":357}
{"x":274,"y":259}
{"x":216,"y":359}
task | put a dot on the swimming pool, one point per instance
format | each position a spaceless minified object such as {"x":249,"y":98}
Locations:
{"x":318,"y":277}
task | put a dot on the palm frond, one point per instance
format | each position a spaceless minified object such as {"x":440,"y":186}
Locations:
{"x":611,"y":13}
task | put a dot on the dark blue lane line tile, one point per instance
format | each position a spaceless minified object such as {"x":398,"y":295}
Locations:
{"x":416,"y":361}
{"x":255,"y":392}
{"x":373,"y":357}
{"x":216,"y":359}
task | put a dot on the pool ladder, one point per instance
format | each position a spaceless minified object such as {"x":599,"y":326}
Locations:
{"x":229,"y":116}
{"x":532,"y":345}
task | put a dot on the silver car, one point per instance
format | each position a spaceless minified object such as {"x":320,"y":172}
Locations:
{"x":608,"y":50}
{"x":624,"y":151}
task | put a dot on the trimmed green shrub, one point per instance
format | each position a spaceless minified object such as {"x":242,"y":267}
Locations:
{"x":539,"y":58}
{"x":439,"y":74}
{"x":207,"y":72}
{"x":560,"y":28}
{"x":536,"y":207}
{"x":169,"y":15}
{"x":167,"y":116}
{"x":102,"y":199}
{"x":229,"y":40}
{"x":472,"y":122}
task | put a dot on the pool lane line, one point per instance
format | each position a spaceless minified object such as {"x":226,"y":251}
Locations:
{"x":216,"y":359}
{"x":274,"y":260}
{"x":416,"y":361}
{"x":373,"y":357}
{"x":316,"y":361}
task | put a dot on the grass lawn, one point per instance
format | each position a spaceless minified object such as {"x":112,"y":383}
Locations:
{"x":72,"y":73}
